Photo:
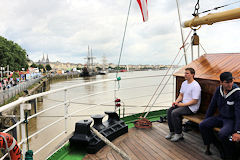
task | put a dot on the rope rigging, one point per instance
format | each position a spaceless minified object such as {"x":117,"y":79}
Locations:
{"x":216,"y":8}
{"x":120,"y":55}
{"x":143,"y":122}
{"x":166,"y":72}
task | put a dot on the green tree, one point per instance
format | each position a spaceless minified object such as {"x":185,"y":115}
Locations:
{"x":34,"y":65}
{"x":13,"y":55}
{"x":15,"y":75}
{"x":41,"y":68}
{"x":48,"y":67}
{"x":98,"y":68}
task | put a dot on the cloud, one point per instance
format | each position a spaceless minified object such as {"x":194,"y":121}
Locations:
{"x":64,"y":29}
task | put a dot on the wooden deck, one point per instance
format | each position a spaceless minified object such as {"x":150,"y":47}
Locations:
{"x":150,"y":144}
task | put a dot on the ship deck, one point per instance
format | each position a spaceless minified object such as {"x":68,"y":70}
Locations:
{"x":149,"y":144}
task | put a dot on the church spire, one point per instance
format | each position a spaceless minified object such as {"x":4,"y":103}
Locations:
{"x":43,"y":59}
{"x":47,"y":60}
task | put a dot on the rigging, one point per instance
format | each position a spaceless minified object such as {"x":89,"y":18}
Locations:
{"x":216,"y":8}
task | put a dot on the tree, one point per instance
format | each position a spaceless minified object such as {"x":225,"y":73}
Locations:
{"x":98,"y":68}
{"x":48,"y":67}
{"x":13,"y":55}
{"x":15,"y":75}
{"x":34,"y":65}
{"x":41,"y":68}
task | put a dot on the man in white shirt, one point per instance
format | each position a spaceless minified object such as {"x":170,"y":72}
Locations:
{"x":187,"y":103}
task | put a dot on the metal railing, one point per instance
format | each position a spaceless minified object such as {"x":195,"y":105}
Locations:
{"x":65,"y":102}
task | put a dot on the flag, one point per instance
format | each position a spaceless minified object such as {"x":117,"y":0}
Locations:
{"x":143,"y":7}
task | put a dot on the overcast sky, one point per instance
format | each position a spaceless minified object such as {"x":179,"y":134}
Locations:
{"x":63,"y":29}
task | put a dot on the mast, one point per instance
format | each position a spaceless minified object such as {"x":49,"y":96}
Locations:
{"x":91,"y":60}
{"x":88,"y":58}
{"x":104,"y":63}
{"x":213,"y":18}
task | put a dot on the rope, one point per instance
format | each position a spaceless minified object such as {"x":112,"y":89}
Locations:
{"x":180,"y":22}
{"x":104,"y":139}
{"x":192,"y":26}
{"x":216,"y":8}
{"x":161,"y":90}
{"x":167,"y":80}
{"x":163,"y":87}
{"x":120,"y":55}
{"x":203,"y":48}
{"x":166,"y":73}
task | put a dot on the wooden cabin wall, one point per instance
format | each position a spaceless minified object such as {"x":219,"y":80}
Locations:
{"x":208,"y":88}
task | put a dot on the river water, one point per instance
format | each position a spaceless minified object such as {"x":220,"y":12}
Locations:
{"x":134,"y":94}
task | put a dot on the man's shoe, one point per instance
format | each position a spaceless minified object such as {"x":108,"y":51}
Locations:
{"x":177,"y":137}
{"x":170,"y":135}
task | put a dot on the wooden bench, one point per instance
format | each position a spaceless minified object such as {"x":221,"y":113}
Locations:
{"x":198,"y":118}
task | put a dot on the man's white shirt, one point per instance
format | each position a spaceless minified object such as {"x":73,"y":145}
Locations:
{"x":191,"y":91}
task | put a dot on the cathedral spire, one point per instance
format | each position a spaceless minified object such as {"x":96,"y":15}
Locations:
{"x":43,"y":59}
{"x":47,"y":60}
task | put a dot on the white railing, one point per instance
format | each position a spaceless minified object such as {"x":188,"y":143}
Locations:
{"x":66,"y":103}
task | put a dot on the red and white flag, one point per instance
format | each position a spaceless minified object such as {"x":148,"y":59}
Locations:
{"x":143,"y":7}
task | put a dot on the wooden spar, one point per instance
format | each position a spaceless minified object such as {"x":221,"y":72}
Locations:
{"x":213,"y":18}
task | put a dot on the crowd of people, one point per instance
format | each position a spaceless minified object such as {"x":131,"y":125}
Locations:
{"x":7,"y":83}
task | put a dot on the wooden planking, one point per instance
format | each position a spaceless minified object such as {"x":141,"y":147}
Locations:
{"x":210,"y":66}
{"x":149,"y":144}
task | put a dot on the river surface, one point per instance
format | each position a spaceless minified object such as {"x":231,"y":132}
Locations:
{"x":134,"y":94}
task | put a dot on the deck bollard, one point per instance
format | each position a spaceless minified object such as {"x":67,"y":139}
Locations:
{"x":111,"y":129}
{"x":112,"y":118}
{"x":98,"y":125}
{"x":82,"y":133}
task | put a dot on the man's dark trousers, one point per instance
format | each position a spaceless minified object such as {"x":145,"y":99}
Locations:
{"x":175,"y":118}
{"x":226,"y":125}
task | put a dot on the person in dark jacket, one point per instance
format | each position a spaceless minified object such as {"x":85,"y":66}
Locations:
{"x":227,"y":100}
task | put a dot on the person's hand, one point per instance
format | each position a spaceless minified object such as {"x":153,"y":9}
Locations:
{"x":236,"y":137}
{"x":174,"y":104}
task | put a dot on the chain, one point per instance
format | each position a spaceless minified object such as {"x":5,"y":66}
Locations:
{"x":197,"y":6}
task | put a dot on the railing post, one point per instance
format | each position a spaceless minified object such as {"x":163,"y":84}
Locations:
{"x":23,"y":106}
{"x":23,"y":131}
{"x":66,"y":109}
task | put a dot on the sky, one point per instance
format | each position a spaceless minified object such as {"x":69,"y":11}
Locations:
{"x":63,"y":29}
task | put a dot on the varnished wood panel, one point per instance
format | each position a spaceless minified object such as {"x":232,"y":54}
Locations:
{"x":208,"y":69}
{"x":208,"y":89}
{"x":150,"y":144}
{"x":210,"y":66}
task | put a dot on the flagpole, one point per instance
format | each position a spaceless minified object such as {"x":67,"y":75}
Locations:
{"x":124,"y":33}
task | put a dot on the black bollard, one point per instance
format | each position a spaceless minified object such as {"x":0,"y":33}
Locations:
{"x":112,"y":118}
{"x":82,"y":134}
{"x":98,"y":125}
